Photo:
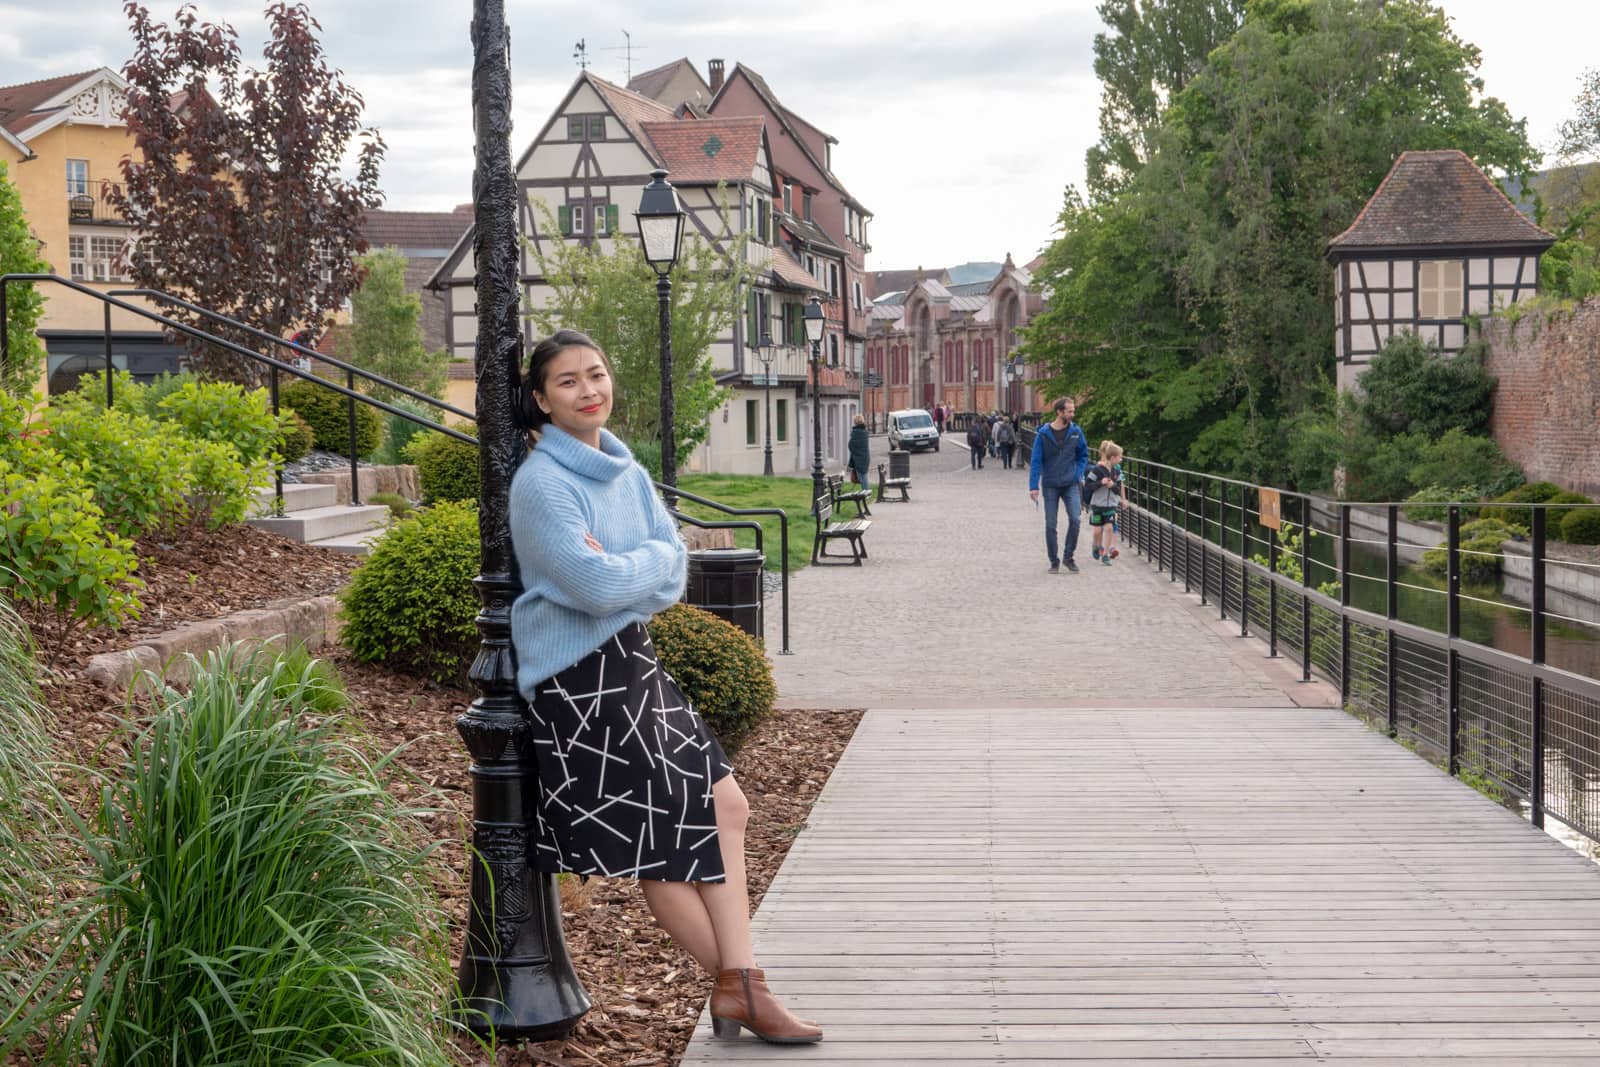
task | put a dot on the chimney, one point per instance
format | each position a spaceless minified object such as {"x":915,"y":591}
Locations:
{"x":714,"y":68}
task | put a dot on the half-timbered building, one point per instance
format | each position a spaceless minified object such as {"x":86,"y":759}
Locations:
{"x":581,"y":179}
{"x":1437,"y":244}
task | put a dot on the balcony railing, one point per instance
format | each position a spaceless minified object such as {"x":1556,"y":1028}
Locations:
{"x":87,"y":204}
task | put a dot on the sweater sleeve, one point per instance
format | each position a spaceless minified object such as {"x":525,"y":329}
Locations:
{"x":550,"y":541}
{"x":664,"y":530}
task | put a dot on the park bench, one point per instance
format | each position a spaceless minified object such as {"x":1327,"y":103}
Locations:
{"x":886,"y":483}
{"x":828,"y":530}
{"x":837,"y":490}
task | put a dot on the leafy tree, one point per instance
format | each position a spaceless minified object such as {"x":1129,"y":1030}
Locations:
{"x":385,"y":331}
{"x":19,"y":254}
{"x":1411,"y":387}
{"x":612,"y":298}
{"x":1580,"y":135}
{"x":235,"y":180}
{"x":1197,"y":298}
{"x":1150,"y":54}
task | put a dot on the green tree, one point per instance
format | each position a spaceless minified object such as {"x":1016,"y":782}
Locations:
{"x":612,"y":298}
{"x":1265,"y":154}
{"x":19,"y":254}
{"x":386,"y":329}
{"x":1149,"y":55}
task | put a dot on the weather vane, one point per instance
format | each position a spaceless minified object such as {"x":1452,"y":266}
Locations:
{"x":580,"y":52}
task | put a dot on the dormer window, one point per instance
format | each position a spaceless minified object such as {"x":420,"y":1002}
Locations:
{"x":806,"y":205}
{"x":788,"y":199}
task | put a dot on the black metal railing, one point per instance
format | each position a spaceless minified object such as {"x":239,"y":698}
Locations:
{"x":669,"y":492}
{"x":111,"y":301}
{"x":1511,"y":723}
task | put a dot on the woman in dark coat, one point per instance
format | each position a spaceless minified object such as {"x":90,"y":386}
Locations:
{"x":860,"y":453}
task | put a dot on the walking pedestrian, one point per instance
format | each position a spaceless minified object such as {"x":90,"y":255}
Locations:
{"x":860,"y":450}
{"x":1060,"y":456}
{"x":631,"y":782}
{"x":938,"y":418}
{"x":977,"y":440}
{"x":1005,"y":436}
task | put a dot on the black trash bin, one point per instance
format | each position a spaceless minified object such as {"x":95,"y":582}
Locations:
{"x":899,"y":463}
{"x":727,"y":583}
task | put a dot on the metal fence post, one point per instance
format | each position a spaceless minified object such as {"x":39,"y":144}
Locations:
{"x":355,"y":467}
{"x":110,"y":366}
{"x":1272,"y":594}
{"x":1187,"y":496}
{"x":1344,"y":603}
{"x":1244,"y":567}
{"x":277,"y":468}
{"x":1205,"y":542}
{"x":1453,"y":631}
{"x":1305,"y":589}
{"x":1392,"y":610}
{"x":1536,"y":617}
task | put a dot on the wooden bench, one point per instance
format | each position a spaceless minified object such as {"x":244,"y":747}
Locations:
{"x":840,"y":494}
{"x":828,"y":530}
{"x":886,"y":483}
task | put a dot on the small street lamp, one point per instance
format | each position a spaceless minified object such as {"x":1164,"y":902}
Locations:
{"x":973,"y":374}
{"x":766,"y":353}
{"x":814,"y":323}
{"x":660,"y":218}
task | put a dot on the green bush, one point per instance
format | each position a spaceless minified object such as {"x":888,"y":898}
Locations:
{"x":720,"y":668}
{"x":1430,"y":503}
{"x":447,"y":469}
{"x":299,"y":678}
{"x":399,"y":432}
{"x":412,"y":604}
{"x":221,"y":487}
{"x":256,"y":894}
{"x":1581,"y":527}
{"x":1458,"y":459}
{"x":1527,"y":493}
{"x":134,"y":465}
{"x":399,"y":507}
{"x":648,"y":455}
{"x":328,"y":413}
{"x":1411,"y":387}
{"x":55,"y":551}
{"x":228,"y":414}
{"x":1481,"y":552}
{"x":298,"y":437}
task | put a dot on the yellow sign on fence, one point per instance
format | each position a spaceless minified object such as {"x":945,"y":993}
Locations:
{"x":1271,"y":508}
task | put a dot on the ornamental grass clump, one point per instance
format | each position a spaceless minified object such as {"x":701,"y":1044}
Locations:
{"x":255,"y":895}
{"x":719,"y":667}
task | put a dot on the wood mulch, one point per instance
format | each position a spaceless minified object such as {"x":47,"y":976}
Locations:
{"x":647,"y":993}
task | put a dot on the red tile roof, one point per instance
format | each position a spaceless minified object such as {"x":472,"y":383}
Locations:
{"x":1437,"y":198}
{"x":708,"y":150}
{"x":416,"y":229}
{"x":632,"y":109}
{"x":791,"y":274}
{"x":18,"y":101}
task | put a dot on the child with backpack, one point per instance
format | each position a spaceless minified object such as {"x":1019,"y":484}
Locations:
{"x":1103,"y":490}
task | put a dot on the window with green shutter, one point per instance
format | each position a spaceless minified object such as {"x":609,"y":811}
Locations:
{"x":564,"y":218}
{"x":611,"y":218}
{"x":780,"y":422}
{"x":751,"y":417}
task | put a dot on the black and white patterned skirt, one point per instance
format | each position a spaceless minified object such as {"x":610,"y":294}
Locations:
{"x":625,"y":770}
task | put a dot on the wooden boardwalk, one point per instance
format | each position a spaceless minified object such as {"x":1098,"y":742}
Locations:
{"x":1250,"y":886}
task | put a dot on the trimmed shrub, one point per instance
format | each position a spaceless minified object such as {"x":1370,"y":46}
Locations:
{"x":256,"y":895}
{"x":133,"y":464}
{"x":399,"y":507}
{"x":447,"y":469}
{"x":225,"y":413}
{"x":412,"y":604}
{"x":328,"y":413}
{"x":1431,"y":503}
{"x":720,"y":668}
{"x":55,"y":551}
{"x":399,"y":432}
{"x":1481,"y":552}
{"x":1581,"y":527}
{"x":1527,"y":493}
{"x":298,"y":438}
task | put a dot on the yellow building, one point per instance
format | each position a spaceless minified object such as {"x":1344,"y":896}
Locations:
{"x":63,"y":140}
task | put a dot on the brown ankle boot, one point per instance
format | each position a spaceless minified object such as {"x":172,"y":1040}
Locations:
{"x":742,"y":998}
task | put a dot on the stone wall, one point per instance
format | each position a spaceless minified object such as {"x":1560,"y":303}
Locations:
{"x":1547,"y":403}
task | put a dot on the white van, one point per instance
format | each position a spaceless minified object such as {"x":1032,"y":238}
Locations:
{"x":912,"y":428}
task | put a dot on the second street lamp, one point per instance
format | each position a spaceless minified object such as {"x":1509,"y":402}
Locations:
{"x":972,"y":401}
{"x":660,"y":219}
{"x":765,"y":353}
{"x":814,"y":324}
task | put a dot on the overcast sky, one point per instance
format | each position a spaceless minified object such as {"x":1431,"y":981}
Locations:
{"x":959,"y":123}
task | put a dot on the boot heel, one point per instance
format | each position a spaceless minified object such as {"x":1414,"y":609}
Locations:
{"x":721,"y":1027}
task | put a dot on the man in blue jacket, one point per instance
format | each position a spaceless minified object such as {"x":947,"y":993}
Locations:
{"x":1060,"y":456}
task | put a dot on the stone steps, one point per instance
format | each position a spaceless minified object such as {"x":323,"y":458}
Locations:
{"x":312,"y":515}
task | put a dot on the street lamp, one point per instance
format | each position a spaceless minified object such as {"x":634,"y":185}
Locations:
{"x":765,"y":353}
{"x":515,"y":979}
{"x":973,"y":374}
{"x":814,"y":324}
{"x":660,"y":218}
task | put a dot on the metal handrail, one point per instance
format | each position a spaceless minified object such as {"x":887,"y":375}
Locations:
{"x":1164,"y":525}
{"x":671,"y":491}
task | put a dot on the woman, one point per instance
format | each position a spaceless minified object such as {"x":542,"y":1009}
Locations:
{"x":631,"y":783}
{"x":860,"y":450}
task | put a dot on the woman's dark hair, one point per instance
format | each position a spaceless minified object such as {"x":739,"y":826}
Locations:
{"x":532,"y":418}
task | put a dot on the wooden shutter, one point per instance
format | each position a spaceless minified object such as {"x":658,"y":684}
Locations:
{"x":611,"y":219}
{"x":564,"y":218}
{"x":752,"y":331}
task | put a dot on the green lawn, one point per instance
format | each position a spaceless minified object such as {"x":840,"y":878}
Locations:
{"x":792,"y":494}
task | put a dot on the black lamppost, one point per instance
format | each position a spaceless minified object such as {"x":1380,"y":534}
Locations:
{"x":972,"y":401}
{"x":814,"y":324}
{"x":515,"y":979}
{"x":660,"y":220}
{"x":765,"y":353}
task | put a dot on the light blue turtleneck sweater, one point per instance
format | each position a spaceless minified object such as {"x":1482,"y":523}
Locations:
{"x":574,"y":597}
